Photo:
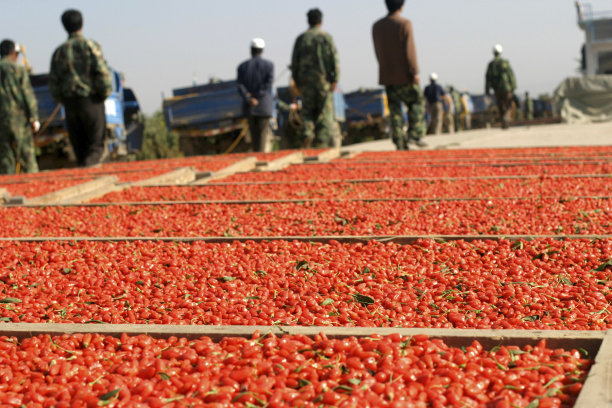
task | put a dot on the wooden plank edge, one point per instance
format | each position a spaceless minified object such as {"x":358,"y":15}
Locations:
{"x":5,"y":196}
{"x":66,"y":194}
{"x":183,"y":175}
{"x":85,"y":198}
{"x":323,"y":157}
{"x":389,"y":180}
{"x":281,"y":162}
{"x":243,"y":165}
{"x":73,"y":201}
{"x":588,"y":340}
{"x":401,"y":240}
{"x":597,"y":389}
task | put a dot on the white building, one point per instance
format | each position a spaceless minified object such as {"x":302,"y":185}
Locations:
{"x":597,"y":26}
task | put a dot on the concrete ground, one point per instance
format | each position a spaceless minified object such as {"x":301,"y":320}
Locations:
{"x":583,"y":134}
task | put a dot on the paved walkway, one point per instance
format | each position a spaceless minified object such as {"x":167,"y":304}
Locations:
{"x":591,"y":134}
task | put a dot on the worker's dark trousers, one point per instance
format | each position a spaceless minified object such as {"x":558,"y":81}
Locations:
{"x":86,"y":122}
{"x":259,"y":127}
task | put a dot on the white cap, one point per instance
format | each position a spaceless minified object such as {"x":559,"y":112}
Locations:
{"x":433,"y":76}
{"x":17,"y":48}
{"x":258,"y":43}
{"x":497,"y":49}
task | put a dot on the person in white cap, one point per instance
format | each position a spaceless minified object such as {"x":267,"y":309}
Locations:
{"x":18,"y":114}
{"x":255,"y":79}
{"x":500,"y":78}
{"x":434,"y":96}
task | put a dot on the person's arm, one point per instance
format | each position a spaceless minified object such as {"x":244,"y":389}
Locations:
{"x":332,"y":63}
{"x":295,"y":61}
{"x":488,"y":80}
{"x":411,"y":54}
{"x":269,"y":79}
{"x":54,"y":76}
{"x":29,"y":97}
{"x":512,"y":77}
{"x":102,"y":80}
{"x":244,"y":93}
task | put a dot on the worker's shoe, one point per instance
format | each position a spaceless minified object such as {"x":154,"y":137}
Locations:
{"x":418,"y":142}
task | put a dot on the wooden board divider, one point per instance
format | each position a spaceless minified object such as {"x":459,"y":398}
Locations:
{"x":67,"y":194}
{"x":182,"y":175}
{"x":281,"y":162}
{"x":400,"y":239}
{"x":500,"y":164}
{"x":588,"y":340}
{"x":323,"y":157}
{"x":396,"y":179}
{"x":451,"y":161}
{"x":304,"y":201}
{"x":246,"y":164}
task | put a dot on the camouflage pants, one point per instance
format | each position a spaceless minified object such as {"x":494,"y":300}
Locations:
{"x":17,"y":147}
{"x":504,"y":105}
{"x":318,"y":121}
{"x":414,"y":100}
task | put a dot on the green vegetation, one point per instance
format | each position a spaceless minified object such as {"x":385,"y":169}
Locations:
{"x":158,"y":142}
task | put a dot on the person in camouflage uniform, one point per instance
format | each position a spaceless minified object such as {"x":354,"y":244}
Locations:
{"x":315,"y":70}
{"x":399,"y":73}
{"x":458,"y":107}
{"x":81,"y":80}
{"x":528,"y":107}
{"x":18,"y":114}
{"x":500,"y":78}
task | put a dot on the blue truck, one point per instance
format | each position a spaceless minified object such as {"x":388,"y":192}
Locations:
{"x":123,"y":129}
{"x":367,"y":115}
{"x":209,"y":119}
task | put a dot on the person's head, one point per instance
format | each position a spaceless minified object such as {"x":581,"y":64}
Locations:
{"x":257,"y":46}
{"x":72,"y":20}
{"x":8,"y":48}
{"x":315,"y":17}
{"x":433,"y":77}
{"x":497,"y":49}
{"x":394,"y":5}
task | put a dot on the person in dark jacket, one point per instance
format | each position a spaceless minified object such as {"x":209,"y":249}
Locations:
{"x":255,"y":79}
{"x":434,"y":96}
{"x":81,"y":80}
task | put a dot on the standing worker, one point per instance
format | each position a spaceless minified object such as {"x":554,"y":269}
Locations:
{"x":500,"y":78}
{"x":456,"y":97}
{"x":255,"y":79}
{"x":399,"y":73}
{"x":81,"y":80}
{"x":468,"y":108}
{"x":18,"y":114}
{"x":434,"y":94}
{"x":315,"y":71}
{"x":528,"y":107}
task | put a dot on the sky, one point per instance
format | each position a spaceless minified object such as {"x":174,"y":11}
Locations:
{"x":160,"y":44}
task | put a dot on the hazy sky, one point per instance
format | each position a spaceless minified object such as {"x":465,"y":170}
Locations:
{"x":162,"y":44}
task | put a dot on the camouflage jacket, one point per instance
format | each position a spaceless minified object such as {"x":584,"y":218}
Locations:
{"x":500,"y":76}
{"x":16,"y":93}
{"x":315,"y":59}
{"x":78,"y":70}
